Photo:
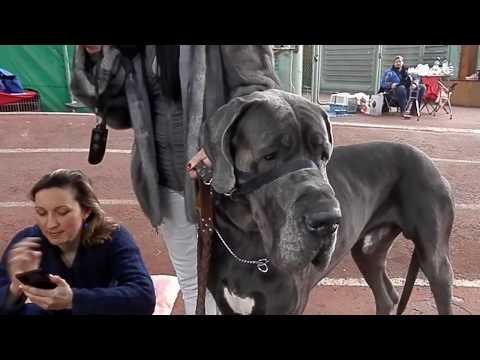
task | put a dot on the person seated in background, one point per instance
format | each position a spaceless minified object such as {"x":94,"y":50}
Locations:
{"x":396,"y":83}
{"x":94,"y":263}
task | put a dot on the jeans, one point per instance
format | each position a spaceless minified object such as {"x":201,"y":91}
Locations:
{"x":401,"y":94}
{"x":180,"y":237}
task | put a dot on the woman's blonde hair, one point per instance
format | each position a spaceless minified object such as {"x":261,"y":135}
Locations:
{"x":97,"y":228}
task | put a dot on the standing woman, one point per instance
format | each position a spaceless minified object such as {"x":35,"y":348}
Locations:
{"x":165,"y":93}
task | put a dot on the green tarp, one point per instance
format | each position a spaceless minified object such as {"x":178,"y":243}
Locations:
{"x":42,"y":68}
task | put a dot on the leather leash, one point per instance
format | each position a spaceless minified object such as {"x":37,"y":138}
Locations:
{"x":205,"y":232}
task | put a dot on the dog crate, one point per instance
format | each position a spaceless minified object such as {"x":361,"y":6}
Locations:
{"x":343,"y":102}
{"x":338,"y":108}
{"x":28,"y":101}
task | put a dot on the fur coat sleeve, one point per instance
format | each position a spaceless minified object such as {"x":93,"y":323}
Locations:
{"x":248,"y":68}
{"x":100,"y":85}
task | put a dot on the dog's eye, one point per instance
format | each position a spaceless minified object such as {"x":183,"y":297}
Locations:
{"x":324,"y":156}
{"x":270,"y":156}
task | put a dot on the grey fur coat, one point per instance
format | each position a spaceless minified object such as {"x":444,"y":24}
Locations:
{"x":210,"y":76}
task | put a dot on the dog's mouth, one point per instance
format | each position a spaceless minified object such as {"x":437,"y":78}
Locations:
{"x":318,"y":250}
{"x":324,"y":253}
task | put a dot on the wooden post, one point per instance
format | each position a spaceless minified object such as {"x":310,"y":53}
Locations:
{"x":468,"y":61}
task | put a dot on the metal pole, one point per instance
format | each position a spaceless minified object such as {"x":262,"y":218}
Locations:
{"x":316,"y":70}
{"x":297,"y":70}
{"x":68,"y":75}
{"x":378,"y":72}
{"x":283,"y":65}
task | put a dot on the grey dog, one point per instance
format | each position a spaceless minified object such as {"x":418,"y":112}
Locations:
{"x":289,"y":207}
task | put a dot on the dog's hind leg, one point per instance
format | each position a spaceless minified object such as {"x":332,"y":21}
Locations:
{"x":370,"y":254}
{"x":436,"y":266}
{"x":431,"y":234}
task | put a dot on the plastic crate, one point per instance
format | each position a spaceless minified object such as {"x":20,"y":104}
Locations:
{"x":338,"y":108}
{"x":352,"y":106}
{"x":347,"y":101}
{"x":339,"y":99}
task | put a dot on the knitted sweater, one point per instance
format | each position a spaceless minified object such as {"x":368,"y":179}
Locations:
{"x":107,"y":279}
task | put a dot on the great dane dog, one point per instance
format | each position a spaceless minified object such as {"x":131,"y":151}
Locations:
{"x":283,"y":224}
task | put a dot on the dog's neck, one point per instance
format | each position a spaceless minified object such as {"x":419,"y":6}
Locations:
{"x":235,"y":223}
{"x":236,"y":211}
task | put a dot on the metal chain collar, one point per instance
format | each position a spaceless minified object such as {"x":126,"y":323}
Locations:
{"x":261,"y":263}
{"x":205,"y":174}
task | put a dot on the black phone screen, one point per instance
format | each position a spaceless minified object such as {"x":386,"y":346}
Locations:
{"x":36,"y":278}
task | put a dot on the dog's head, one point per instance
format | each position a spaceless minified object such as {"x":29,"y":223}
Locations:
{"x":257,"y":141}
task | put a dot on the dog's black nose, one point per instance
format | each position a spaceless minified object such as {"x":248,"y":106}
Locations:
{"x":322,"y":222}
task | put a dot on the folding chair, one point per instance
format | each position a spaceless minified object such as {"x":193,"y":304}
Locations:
{"x":388,"y":102}
{"x":413,"y":98}
{"x":437,"y":96}
{"x":431,"y":93}
{"x":445,"y":99}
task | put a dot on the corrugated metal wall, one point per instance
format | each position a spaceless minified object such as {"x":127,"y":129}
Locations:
{"x":348,"y":67}
{"x":354,"y":68}
{"x":413,"y":54}
{"x":431,"y":53}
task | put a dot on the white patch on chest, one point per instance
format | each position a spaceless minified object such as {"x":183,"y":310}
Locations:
{"x":239,"y":305}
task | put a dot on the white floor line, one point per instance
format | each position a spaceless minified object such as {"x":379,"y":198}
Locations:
{"x":350,"y":282}
{"x":467,"y":206}
{"x":13,"y":204}
{"x":123,"y":151}
{"x":58,"y":150}
{"x":43,"y":114}
{"x":472,"y":162}
{"x":404,"y":127}
{"x":21,"y":204}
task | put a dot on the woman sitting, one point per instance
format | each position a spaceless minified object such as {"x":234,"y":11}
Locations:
{"x":396,"y":83}
{"x":93,"y":263}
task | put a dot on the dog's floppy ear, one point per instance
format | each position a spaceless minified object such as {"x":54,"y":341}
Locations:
{"x":216,"y":138}
{"x":327,"y":122}
{"x":306,"y":110}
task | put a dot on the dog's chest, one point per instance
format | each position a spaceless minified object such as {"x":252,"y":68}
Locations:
{"x":239,"y":305}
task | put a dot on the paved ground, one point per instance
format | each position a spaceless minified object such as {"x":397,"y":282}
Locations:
{"x":31,"y":145}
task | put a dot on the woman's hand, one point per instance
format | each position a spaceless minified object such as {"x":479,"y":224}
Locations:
{"x":24,"y":256}
{"x":60,"y":298}
{"x":201,"y":156}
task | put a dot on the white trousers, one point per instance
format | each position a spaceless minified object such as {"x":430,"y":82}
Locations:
{"x":180,"y":237}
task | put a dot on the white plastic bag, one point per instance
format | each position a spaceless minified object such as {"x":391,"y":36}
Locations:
{"x":375,"y":105}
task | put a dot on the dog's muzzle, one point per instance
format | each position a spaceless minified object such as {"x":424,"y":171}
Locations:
{"x":309,"y":214}
{"x":312,"y":218}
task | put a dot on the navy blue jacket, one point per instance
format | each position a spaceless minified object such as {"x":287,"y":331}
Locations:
{"x":394,"y":76}
{"x":106,"y":279}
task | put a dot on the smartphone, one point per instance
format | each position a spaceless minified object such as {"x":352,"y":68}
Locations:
{"x":36,"y":278}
